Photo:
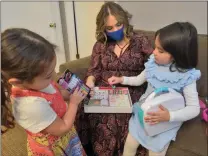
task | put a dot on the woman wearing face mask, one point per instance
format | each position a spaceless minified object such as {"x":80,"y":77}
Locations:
{"x":118,"y":51}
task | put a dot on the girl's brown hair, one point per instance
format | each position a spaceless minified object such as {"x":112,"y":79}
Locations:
{"x":121,"y":15}
{"x":24,"y":55}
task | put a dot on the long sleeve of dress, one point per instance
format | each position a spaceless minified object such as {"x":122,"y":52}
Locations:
{"x":95,"y":63}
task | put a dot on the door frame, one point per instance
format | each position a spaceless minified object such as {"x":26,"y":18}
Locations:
{"x":59,"y":40}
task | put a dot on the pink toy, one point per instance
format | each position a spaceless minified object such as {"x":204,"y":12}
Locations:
{"x":205,"y":114}
{"x":205,"y":110}
{"x":202,"y":104}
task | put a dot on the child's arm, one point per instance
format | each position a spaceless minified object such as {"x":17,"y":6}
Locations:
{"x":192,"y":108}
{"x":60,"y":126}
{"x":132,"y":81}
{"x":135,"y":80}
{"x":64,"y":92}
{"x":190,"y":111}
{"x":36,"y":115}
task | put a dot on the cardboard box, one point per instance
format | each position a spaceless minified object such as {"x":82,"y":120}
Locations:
{"x":109,"y":100}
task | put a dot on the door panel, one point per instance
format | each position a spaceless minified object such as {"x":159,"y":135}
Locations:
{"x":35,"y":16}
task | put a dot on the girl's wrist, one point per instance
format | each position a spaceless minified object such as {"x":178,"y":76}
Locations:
{"x":73,"y":104}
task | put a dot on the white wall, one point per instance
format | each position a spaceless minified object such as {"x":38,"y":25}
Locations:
{"x":146,"y":16}
{"x":86,"y":13}
{"x":69,"y":17}
{"x":154,"y":15}
{"x":35,"y":16}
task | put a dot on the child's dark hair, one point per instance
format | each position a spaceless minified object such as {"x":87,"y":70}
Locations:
{"x":180,"y":40}
{"x":24,"y":55}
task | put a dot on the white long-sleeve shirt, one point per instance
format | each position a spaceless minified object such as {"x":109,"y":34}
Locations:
{"x":190,"y":93}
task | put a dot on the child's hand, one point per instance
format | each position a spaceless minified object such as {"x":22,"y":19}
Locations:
{"x":65,"y":93}
{"x":77,"y":96}
{"x":155,"y":117}
{"x":115,"y":80}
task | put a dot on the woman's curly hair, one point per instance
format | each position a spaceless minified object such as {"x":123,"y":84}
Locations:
{"x":121,"y":15}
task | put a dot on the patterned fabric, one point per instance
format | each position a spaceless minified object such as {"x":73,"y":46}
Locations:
{"x":107,"y":132}
{"x":40,"y":144}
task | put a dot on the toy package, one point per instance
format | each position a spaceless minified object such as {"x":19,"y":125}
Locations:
{"x":109,"y":100}
{"x":169,"y":99}
{"x":70,"y":81}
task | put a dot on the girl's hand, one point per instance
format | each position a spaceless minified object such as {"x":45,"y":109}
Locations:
{"x":115,"y":80}
{"x":65,"y":93}
{"x":77,"y":96}
{"x":155,"y":117}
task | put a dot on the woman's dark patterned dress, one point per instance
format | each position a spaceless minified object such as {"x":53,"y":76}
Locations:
{"x":107,"y":132}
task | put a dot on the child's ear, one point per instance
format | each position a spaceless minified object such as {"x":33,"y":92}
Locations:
{"x":15,"y":81}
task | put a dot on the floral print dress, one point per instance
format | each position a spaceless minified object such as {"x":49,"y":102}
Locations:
{"x":107,"y":132}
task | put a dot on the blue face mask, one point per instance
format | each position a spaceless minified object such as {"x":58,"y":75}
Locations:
{"x":117,"y":35}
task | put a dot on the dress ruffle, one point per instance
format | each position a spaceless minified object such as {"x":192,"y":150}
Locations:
{"x":158,"y":75}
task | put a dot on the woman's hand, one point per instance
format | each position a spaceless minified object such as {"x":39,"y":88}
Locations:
{"x":77,"y":96}
{"x":155,"y":117}
{"x":115,"y":80}
{"x":91,"y":83}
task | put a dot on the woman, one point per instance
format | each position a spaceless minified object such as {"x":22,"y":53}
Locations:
{"x":118,"y":51}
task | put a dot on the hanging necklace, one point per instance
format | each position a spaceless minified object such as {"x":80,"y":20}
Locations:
{"x":122,"y":47}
